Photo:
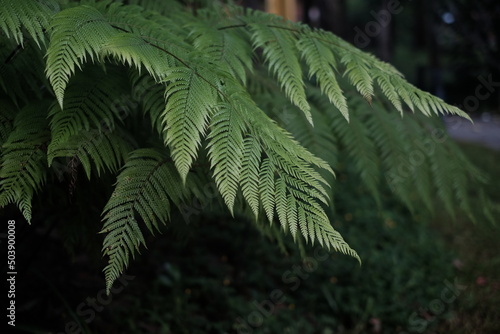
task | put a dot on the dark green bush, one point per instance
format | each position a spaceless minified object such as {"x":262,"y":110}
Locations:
{"x":215,"y":281}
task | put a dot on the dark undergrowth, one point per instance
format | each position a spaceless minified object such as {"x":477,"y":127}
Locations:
{"x":219,"y":275}
{"x":478,"y":250}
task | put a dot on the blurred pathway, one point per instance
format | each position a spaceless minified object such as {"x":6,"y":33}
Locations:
{"x":485,"y":130}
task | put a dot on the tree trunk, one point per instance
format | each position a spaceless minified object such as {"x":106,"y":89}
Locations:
{"x":286,"y":8}
{"x":385,"y":40}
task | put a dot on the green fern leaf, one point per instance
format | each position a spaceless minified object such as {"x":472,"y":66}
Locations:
{"x":442,"y":177}
{"x":23,"y":171}
{"x":103,"y":99}
{"x":189,"y":102}
{"x":281,"y":203}
{"x":32,"y":15}
{"x":249,"y":179}
{"x":225,"y":150}
{"x":7,"y":116}
{"x":292,"y":218}
{"x":320,"y":139}
{"x":151,"y":98}
{"x":322,"y":64}
{"x":389,"y":90}
{"x":25,"y":64}
{"x":359,"y":75}
{"x":354,"y":136}
{"x":145,"y":186}
{"x":230,"y":49}
{"x":76,"y":33}
{"x":281,"y":56}
{"x":267,"y":191}
{"x":413,"y":163}
{"x":106,"y":150}
{"x":134,"y":50}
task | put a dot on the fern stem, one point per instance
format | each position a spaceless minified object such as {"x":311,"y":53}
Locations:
{"x":233,"y":26}
{"x":181,"y":61}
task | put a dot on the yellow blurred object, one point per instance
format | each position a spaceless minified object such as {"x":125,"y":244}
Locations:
{"x":390,"y":223}
{"x":286,"y":8}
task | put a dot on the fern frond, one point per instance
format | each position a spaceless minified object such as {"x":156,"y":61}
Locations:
{"x":354,"y":137}
{"x":286,"y":173}
{"x":276,"y":138}
{"x":155,"y":25}
{"x":322,"y":64}
{"x":442,"y":177}
{"x":320,"y":139}
{"x":389,"y":90}
{"x":360,"y":68}
{"x":26,"y":65}
{"x":105,"y":149}
{"x":363,"y":70}
{"x":133,"y":50}
{"x":282,"y":207}
{"x":225,"y":150}
{"x":411,"y":167}
{"x":266,"y":188}
{"x":249,"y":178}
{"x":146,"y":185}
{"x":281,"y":56}
{"x":418,"y":160}
{"x":359,"y":75}
{"x":392,"y":149}
{"x":151,"y":97}
{"x":189,"y":102}
{"x":23,"y":169}
{"x":8,"y":113}
{"x":103,"y":100}
{"x":230,"y":49}
{"x":31,"y":15}
{"x":76,"y":33}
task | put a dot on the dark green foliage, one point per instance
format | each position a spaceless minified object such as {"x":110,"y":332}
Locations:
{"x":232,"y":269}
{"x":24,"y":165}
{"x":175,"y":100}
